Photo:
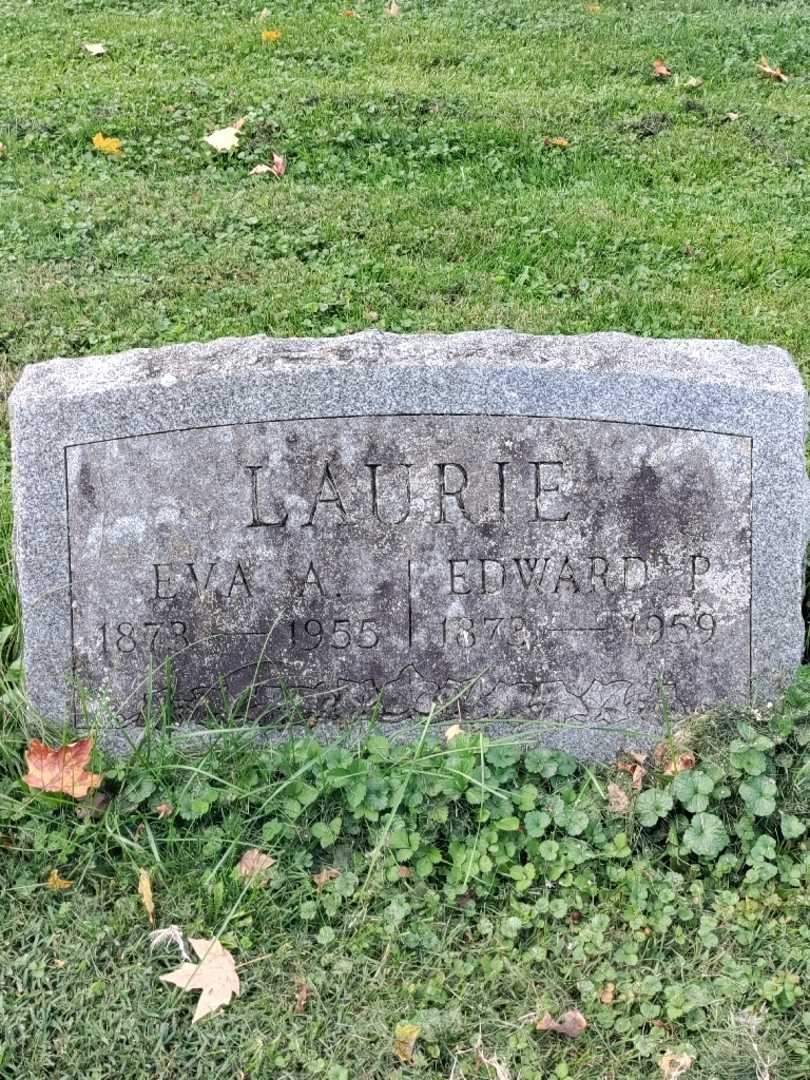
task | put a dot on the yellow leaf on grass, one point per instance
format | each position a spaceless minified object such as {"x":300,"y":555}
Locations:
{"x":269,"y":37}
{"x":558,"y":143}
{"x":405,"y":1036}
{"x":63,"y":769}
{"x":215,"y":976}
{"x":764,"y":68}
{"x":56,"y":883}
{"x":452,"y":732}
{"x":107,"y":145}
{"x":145,"y":893}
{"x":95,"y":48}
{"x":227,"y":138}
{"x":255,"y":866}
{"x":593,"y":9}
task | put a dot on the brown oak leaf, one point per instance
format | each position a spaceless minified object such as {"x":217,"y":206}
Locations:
{"x":255,"y":866}
{"x":63,"y":769}
{"x":571,"y":1024}
{"x":301,"y":996}
{"x":618,"y":799}
{"x":215,"y":976}
{"x":329,"y":873}
{"x":764,"y":68}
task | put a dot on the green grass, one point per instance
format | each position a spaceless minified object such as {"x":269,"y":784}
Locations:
{"x":420,"y":194}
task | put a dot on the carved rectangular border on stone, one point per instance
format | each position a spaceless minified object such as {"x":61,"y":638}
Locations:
{"x":65,"y":411}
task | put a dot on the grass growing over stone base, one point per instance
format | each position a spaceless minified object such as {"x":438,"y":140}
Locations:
{"x":476,"y":887}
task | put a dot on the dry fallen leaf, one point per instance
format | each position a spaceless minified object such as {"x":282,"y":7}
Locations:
{"x":255,"y":866}
{"x":270,"y":37}
{"x":56,"y":883}
{"x":349,"y":14}
{"x":279,"y":166}
{"x":301,"y":996}
{"x":95,"y":48}
{"x":593,"y":9}
{"x":558,"y":143}
{"x":329,"y":873}
{"x":215,"y":976}
{"x":392,"y":9}
{"x":682,"y":763}
{"x":660,"y":69}
{"x":63,"y":769}
{"x":618,"y":799}
{"x":673,"y":1065}
{"x":145,"y":893}
{"x":227,"y":138}
{"x":731,"y":117}
{"x":260,"y":170}
{"x":637,"y":773}
{"x":452,"y":732}
{"x":775,"y":73}
{"x":405,"y":1036}
{"x":497,"y":1066}
{"x":572,"y":1024}
{"x":608,"y":994}
{"x":164,"y":809}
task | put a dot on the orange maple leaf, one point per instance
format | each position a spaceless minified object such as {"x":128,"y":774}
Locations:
{"x":660,"y":69}
{"x":63,"y":769}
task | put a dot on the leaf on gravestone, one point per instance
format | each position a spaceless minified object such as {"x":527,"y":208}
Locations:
{"x":326,"y":875}
{"x":255,"y":866}
{"x":571,"y":1024}
{"x":405,"y":1036}
{"x":301,"y":996}
{"x":95,"y":48}
{"x":215,"y":976}
{"x":673,"y":1065}
{"x":618,"y":800}
{"x":56,"y":883}
{"x":145,"y":893}
{"x":660,"y":69}
{"x":452,"y":732}
{"x":764,"y":68}
{"x":227,"y":138}
{"x":392,"y":9}
{"x":63,"y":769}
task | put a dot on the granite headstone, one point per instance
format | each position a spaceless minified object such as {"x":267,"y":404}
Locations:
{"x":572,"y":537}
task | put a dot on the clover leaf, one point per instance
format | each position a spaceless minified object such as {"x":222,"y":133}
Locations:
{"x":653,"y":804}
{"x":706,"y":835}
{"x":792,"y":827}
{"x":692,"y":788}
{"x":759,"y":794}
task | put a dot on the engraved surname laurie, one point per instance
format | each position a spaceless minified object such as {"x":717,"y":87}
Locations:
{"x":539,"y":498}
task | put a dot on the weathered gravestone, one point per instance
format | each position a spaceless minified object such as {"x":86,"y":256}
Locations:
{"x":582,"y":528}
